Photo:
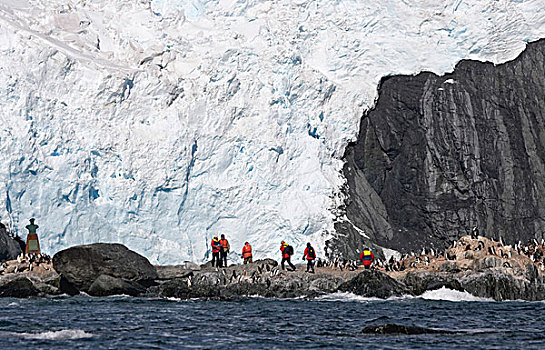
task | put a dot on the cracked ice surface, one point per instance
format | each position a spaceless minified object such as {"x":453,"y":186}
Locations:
{"x":159,"y":124}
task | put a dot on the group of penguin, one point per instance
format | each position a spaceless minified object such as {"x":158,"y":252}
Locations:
{"x":33,"y":260}
{"x":534,"y":250}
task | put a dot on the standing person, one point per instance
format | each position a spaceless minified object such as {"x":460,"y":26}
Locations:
{"x":287,"y":252}
{"x":247,"y":253}
{"x":310,"y":254}
{"x":225,"y":247}
{"x":216,"y":246}
{"x":367,"y":258}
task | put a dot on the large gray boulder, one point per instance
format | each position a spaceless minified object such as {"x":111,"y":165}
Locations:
{"x":17,"y":286}
{"x":80,"y":266}
{"x":106,"y":285}
{"x":9,"y":247}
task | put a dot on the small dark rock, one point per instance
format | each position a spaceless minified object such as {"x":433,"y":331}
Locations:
{"x":392,"y":328}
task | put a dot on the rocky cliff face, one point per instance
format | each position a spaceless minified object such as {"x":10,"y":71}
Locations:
{"x":9,"y":247}
{"x":441,"y":154}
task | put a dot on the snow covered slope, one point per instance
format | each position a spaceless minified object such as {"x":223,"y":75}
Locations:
{"x":160,"y":123}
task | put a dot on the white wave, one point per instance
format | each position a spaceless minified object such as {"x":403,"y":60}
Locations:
{"x":343,"y":296}
{"x":451,"y":295}
{"x":63,"y":334}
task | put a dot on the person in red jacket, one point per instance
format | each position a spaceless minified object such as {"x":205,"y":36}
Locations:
{"x":367,"y":258}
{"x":216,"y":246}
{"x":287,"y":251}
{"x":310,"y":255}
{"x":247,"y":253}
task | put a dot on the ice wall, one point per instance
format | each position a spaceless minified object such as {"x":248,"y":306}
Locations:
{"x":158,"y":124}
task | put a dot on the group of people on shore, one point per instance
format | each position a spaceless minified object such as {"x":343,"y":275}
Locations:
{"x":221,"y":247}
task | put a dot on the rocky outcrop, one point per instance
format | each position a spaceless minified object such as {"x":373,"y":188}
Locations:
{"x":93,"y":270}
{"x":26,"y":285}
{"x":10,"y":247}
{"x":372,"y":283}
{"x":106,"y":285}
{"x":81,"y":266}
{"x":438,"y":155}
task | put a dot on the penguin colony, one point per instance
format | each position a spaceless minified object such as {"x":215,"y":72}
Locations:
{"x":27,"y":262}
{"x":465,"y":248}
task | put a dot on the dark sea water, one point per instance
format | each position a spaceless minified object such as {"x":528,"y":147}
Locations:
{"x":332,"y":322}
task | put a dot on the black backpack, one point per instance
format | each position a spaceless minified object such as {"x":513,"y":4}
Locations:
{"x":289,"y":250}
{"x":311,"y":253}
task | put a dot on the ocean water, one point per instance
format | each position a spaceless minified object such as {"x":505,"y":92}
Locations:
{"x":329,"y":322}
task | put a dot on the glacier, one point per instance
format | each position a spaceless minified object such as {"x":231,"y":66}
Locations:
{"x":159,"y":124}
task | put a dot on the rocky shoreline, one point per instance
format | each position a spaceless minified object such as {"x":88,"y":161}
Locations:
{"x":112,"y":269}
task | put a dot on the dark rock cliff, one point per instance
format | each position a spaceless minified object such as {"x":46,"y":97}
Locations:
{"x":441,"y":154}
{"x":10,"y":247}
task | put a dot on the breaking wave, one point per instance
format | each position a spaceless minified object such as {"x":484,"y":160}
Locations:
{"x":443,"y":294}
{"x":451,"y":295}
{"x":64,"y":334}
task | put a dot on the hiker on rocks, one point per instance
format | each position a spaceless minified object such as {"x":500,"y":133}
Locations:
{"x":310,"y":255}
{"x":225,"y":247}
{"x":247,"y":253}
{"x":287,"y":252}
{"x":216,"y":247}
{"x":367,"y":258}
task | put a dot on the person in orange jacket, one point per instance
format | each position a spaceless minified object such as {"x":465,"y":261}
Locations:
{"x":310,"y":255}
{"x":216,"y":246}
{"x":367,"y":258}
{"x":287,"y":252}
{"x":247,"y":253}
{"x":225,"y":247}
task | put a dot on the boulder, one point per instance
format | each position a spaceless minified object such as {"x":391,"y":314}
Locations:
{"x":173,"y":271}
{"x":500,"y":285}
{"x":80,"y":266}
{"x":421,"y":281}
{"x":17,"y":286}
{"x":106,"y":285}
{"x":373,"y":283}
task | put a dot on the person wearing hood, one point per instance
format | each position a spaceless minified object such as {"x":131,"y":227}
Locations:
{"x":367,"y":258}
{"x":216,"y":247}
{"x":247,"y":253}
{"x":310,"y":255}
{"x":287,"y":252}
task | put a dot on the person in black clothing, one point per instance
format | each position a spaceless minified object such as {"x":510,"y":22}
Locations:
{"x":310,"y":255}
{"x":287,"y":252}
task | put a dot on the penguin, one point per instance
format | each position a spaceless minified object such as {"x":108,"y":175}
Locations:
{"x":189,"y":281}
{"x":501,"y":241}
